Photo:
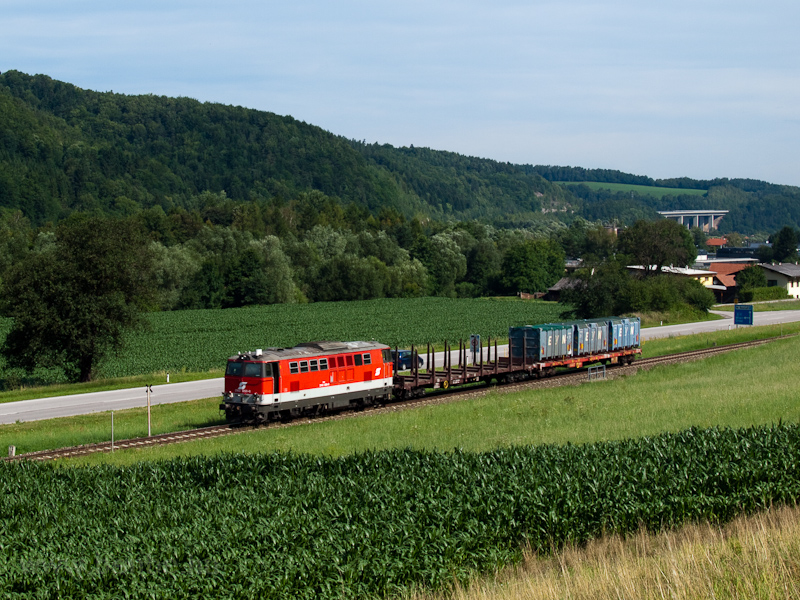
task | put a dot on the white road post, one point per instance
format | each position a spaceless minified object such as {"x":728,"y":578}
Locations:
{"x":149,"y":389}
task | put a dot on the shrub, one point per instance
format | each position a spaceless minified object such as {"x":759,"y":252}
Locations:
{"x":766,"y":293}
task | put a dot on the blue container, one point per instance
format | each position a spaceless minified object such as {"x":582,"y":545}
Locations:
{"x":541,"y":342}
{"x":581,"y":345}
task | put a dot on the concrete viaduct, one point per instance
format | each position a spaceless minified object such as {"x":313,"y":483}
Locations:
{"x":704,"y":219}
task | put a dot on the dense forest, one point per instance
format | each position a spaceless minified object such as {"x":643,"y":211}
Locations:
{"x":64,"y":149}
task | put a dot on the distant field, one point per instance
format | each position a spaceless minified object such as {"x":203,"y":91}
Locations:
{"x":645,"y":190}
{"x":201,"y":340}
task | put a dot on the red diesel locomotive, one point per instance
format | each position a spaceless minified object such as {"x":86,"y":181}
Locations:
{"x":319,"y":376}
{"x":307,"y":379}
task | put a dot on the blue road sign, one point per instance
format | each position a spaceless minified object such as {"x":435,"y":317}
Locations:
{"x":743,"y":314}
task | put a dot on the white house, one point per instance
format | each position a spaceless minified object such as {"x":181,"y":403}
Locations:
{"x":785,"y":275}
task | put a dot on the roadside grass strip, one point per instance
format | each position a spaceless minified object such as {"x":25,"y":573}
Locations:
{"x":94,"y":428}
{"x":367,"y":525}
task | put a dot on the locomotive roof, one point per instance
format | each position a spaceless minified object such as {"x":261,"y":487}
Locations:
{"x":309,"y":350}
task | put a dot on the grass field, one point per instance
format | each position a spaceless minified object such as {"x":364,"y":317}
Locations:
{"x":738,"y":389}
{"x":675,"y":317}
{"x":92,"y":428}
{"x":644,"y":190}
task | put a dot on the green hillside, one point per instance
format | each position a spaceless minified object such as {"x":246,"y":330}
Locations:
{"x":65,"y":149}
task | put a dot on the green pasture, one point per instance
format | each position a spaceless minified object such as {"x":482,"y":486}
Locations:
{"x":644,"y":190}
{"x":96,"y":427}
{"x":672,"y":345}
{"x":737,"y":389}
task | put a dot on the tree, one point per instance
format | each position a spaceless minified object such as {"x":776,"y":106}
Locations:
{"x":348,"y":277}
{"x":655,"y":244}
{"x":700,"y":238}
{"x":751,"y":277}
{"x":72,"y":302}
{"x":532,"y":266}
{"x":784,"y":245}
{"x":445,"y":263}
{"x":598,"y":291}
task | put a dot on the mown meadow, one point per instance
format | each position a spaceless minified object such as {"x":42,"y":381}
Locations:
{"x":644,"y":190}
{"x":715,"y":391}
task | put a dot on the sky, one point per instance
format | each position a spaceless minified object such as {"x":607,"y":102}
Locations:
{"x":670,"y":88}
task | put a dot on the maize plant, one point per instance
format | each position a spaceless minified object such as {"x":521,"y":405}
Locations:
{"x":366,"y":525}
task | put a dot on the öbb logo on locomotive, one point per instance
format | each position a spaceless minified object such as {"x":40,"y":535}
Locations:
{"x":315,"y":377}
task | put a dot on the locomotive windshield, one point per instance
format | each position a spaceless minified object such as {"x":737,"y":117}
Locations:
{"x":234,"y":368}
{"x":249,"y":369}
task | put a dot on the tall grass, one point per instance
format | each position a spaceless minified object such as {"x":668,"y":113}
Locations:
{"x":751,"y":557}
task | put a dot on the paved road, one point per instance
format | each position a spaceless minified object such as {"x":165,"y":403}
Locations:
{"x":79,"y":404}
{"x":759,"y":318}
{"x":62,"y":406}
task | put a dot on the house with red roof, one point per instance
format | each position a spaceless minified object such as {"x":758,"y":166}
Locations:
{"x":725,"y":276}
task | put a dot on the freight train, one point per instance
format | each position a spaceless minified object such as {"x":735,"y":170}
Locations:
{"x":317,"y":377}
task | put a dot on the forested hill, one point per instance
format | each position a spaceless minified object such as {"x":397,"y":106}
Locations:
{"x":63,"y":148}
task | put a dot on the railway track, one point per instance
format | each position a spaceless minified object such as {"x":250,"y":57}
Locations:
{"x":433,"y":398}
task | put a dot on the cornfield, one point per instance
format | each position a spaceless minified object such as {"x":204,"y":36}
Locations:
{"x":367,"y":525}
{"x":200,"y":340}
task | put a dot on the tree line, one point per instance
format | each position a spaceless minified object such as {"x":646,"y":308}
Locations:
{"x":74,"y":287}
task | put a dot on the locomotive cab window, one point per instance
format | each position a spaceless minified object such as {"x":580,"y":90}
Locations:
{"x":234,"y":368}
{"x":358,"y":359}
{"x":387,"y":356}
{"x":253,"y":369}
